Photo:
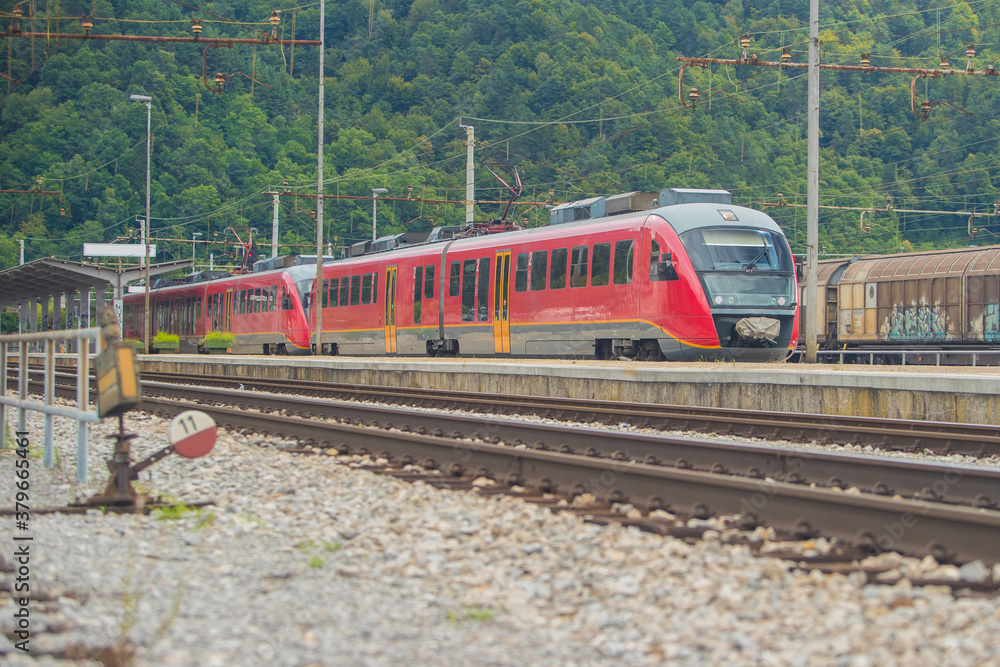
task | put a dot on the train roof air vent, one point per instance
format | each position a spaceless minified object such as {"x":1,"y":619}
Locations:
{"x":629,"y":202}
{"x":672,"y":196}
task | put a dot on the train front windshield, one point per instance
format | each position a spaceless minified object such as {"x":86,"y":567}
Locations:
{"x":742,"y":267}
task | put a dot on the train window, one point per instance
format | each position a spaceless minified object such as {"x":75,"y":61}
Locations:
{"x":429,"y":282}
{"x":468,"y":290}
{"x":345,"y":286}
{"x":273,"y":299}
{"x":654,"y":259}
{"x":539,"y":269}
{"x":453,"y":282}
{"x":286,"y":299}
{"x":259,"y":303}
{"x":355,"y":290}
{"x":366,"y":288}
{"x":521,"y":273}
{"x":375,"y":287}
{"x":623,"y":262}
{"x":578,"y":266}
{"x":600,"y":268}
{"x":484,"y":289}
{"x":326,"y":294}
{"x":557,"y":275}
{"x":418,"y":292}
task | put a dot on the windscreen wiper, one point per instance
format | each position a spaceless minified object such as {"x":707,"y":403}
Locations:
{"x":752,"y":266}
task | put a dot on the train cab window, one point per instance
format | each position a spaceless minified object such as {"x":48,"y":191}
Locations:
{"x":600,"y":268}
{"x":375,"y":287}
{"x":557,"y":275}
{"x":286,"y":299}
{"x":454,"y":279}
{"x":274,"y":297}
{"x":578,"y":266}
{"x":483,"y":292}
{"x":654,"y":258}
{"x":468,"y":290}
{"x":366,"y":288}
{"x":355,"y":290}
{"x":418,"y":292}
{"x":623,"y":262}
{"x":539,"y":269}
{"x":521,"y":272}
{"x":429,"y":282}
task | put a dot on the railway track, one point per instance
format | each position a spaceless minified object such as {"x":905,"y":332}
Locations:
{"x":889,"y":434}
{"x":945,"y":511}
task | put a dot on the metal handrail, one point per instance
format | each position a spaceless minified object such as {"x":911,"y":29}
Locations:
{"x":81,"y":414}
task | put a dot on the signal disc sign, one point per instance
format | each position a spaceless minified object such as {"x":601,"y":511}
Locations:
{"x":192,"y":433}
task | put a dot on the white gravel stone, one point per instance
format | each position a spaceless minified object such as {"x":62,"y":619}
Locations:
{"x":306,"y":560}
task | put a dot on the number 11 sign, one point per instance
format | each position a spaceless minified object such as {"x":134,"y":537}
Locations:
{"x":192,"y":433}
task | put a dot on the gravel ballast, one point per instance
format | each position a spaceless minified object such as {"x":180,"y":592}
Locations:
{"x":314,"y":560}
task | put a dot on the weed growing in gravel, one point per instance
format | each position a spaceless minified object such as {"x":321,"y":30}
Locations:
{"x":306,"y":544}
{"x":205,"y":520}
{"x":471,"y":614}
{"x":316,"y":562}
{"x":332,"y":546}
{"x":173,"y":512}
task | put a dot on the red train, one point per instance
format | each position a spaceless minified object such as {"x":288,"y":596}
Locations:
{"x":680,"y":274}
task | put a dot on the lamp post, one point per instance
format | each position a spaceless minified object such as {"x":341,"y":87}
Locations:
{"x":193,"y":237}
{"x":375,"y":193}
{"x":145,"y":225}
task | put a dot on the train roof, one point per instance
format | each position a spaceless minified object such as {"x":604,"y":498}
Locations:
{"x":937,"y":263}
{"x":681,"y":217}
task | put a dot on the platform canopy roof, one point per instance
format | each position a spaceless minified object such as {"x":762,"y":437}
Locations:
{"x":44,"y":277}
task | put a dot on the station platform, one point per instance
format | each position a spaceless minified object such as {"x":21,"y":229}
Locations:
{"x":963,"y":395}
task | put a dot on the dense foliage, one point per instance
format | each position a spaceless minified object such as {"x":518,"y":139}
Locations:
{"x":582,"y":97}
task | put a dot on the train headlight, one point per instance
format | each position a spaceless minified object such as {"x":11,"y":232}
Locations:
{"x":781,"y":301}
{"x":718,"y":301}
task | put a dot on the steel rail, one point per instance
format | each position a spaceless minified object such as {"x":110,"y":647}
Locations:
{"x":895,"y":434}
{"x":920,"y":528}
{"x":976,"y":486}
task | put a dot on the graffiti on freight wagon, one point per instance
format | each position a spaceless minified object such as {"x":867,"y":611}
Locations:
{"x":990,"y":324}
{"x":915,"y":323}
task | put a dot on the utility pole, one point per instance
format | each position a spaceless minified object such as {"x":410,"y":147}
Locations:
{"x":317,"y":305}
{"x":470,"y":171}
{"x":274,"y":228}
{"x":811,"y":300}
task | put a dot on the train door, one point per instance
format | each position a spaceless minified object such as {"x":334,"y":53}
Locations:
{"x":390,"y":310}
{"x":501,"y":307}
{"x":227,"y":312}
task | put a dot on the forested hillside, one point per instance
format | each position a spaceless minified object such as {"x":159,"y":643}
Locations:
{"x":581,"y":96}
